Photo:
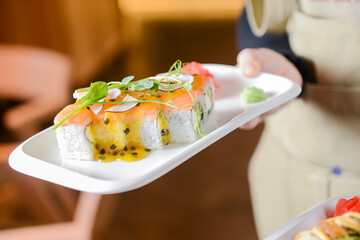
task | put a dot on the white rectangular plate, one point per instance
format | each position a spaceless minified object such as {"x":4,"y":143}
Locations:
{"x":306,"y":221}
{"x":39,"y":155}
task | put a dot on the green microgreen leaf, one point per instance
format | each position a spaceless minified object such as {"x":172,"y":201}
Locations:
{"x":141,"y":85}
{"x":97,"y":91}
{"x":155,"y":87}
{"x":127,"y":79}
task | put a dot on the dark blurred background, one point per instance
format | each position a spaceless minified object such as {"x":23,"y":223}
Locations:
{"x":207,"y":197}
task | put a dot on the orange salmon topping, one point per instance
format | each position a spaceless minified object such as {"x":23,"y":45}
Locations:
{"x":83,"y":116}
{"x":179,"y":98}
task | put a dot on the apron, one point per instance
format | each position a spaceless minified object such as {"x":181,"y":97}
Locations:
{"x":310,"y":149}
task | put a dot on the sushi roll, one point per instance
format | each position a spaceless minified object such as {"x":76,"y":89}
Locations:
{"x":346,"y":226}
{"x":126,"y":120}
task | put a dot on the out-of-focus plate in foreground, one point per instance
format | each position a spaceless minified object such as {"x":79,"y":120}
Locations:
{"x":306,"y":220}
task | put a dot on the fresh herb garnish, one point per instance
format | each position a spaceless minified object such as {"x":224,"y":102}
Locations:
{"x":141,"y":85}
{"x":127,"y":79}
{"x":152,"y":83}
{"x":97,"y":91}
{"x":177,"y":65}
{"x":124,"y":82}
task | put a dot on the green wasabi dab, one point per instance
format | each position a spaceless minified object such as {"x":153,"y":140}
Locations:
{"x":253,"y":95}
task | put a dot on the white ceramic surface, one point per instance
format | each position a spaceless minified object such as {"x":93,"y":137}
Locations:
{"x":306,"y":221}
{"x":39,"y":155}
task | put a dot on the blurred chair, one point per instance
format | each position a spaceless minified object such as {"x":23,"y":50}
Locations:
{"x":90,"y":31}
{"x":39,"y":80}
{"x":80,"y":228}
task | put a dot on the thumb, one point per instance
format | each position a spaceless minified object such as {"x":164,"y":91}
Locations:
{"x":248,"y":63}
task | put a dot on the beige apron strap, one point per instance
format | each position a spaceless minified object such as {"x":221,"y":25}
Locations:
{"x":269,"y":16}
{"x":336,"y":99}
{"x":332,"y":45}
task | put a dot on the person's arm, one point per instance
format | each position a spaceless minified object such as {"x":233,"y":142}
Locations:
{"x":269,"y":53}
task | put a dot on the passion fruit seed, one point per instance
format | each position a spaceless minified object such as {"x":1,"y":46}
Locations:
{"x":112,"y":147}
{"x":125,"y":148}
{"x":164,"y":132}
{"x":147,"y":150}
{"x":107,"y":120}
{"x":126,"y":131}
{"x":134,"y":153}
{"x":132,"y":148}
{"x":102,"y":151}
{"x":122,"y":154}
{"x":102,"y":158}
